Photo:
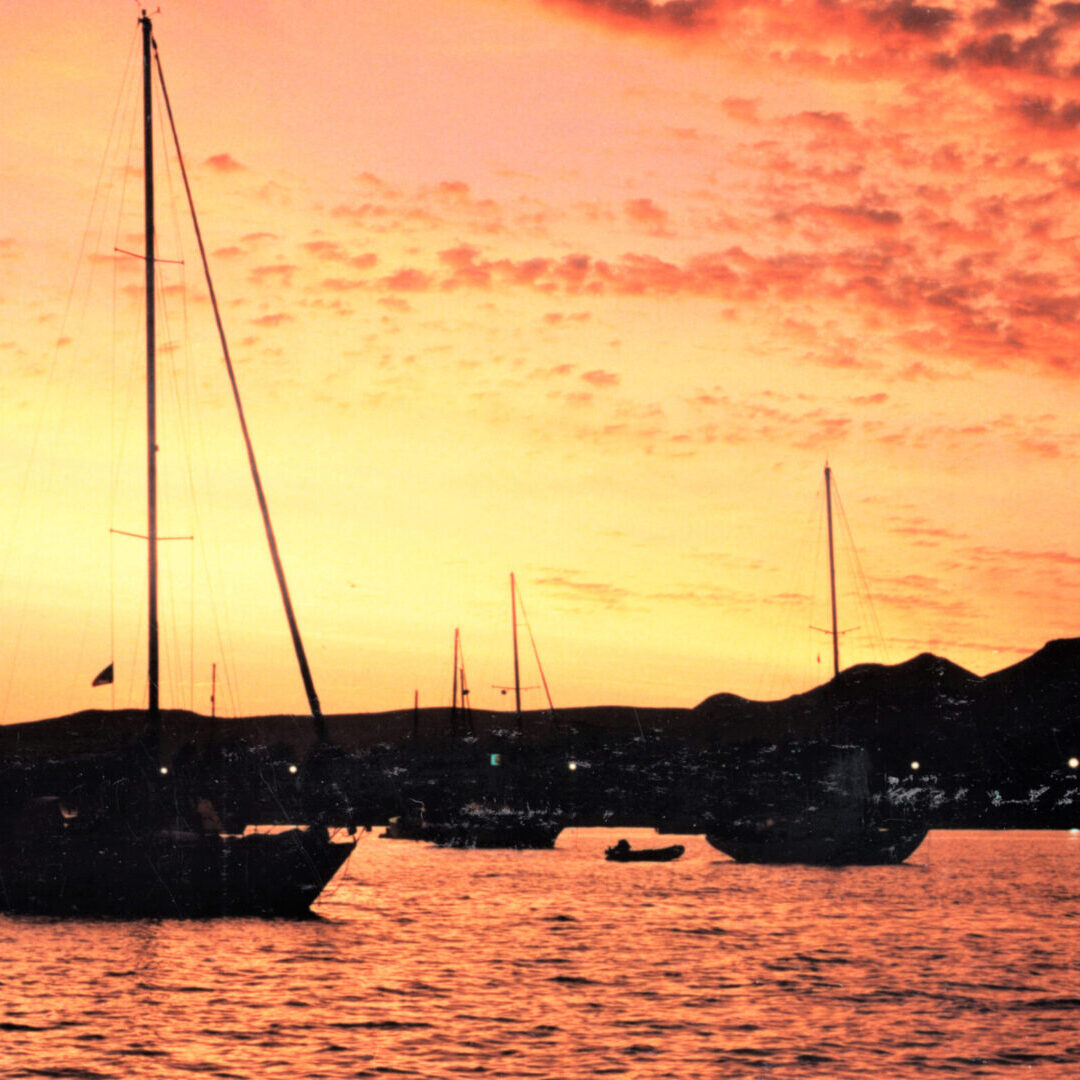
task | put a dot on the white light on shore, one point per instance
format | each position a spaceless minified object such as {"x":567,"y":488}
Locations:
{"x":1074,"y":763}
{"x":914,"y":766}
{"x":293,"y":769}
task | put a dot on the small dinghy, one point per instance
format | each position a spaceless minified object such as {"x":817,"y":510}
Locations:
{"x":623,"y":852}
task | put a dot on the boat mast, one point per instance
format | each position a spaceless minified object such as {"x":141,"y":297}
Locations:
{"x":154,"y":710}
{"x":454,"y":689}
{"x":832,"y":572}
{"x":517,"y":670}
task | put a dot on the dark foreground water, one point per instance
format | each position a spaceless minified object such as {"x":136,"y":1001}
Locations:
{"x":428,"y":963}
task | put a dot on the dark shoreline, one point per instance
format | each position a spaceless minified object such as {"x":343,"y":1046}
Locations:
{"x":992,"y":752}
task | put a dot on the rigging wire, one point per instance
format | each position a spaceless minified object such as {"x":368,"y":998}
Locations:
{"x":862,"y":591}
{"x":301,"y":657}
{"x":536,"y":653}
{"x":16,"y":626}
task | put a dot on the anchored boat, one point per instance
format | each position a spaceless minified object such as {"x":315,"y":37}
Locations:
{"x":820,"y":801}
{"x":141,"y":841}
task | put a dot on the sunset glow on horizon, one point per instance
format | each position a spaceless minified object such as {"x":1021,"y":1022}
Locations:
{"x":584,"y":290}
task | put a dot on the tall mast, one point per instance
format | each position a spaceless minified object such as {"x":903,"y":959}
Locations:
{"x":154,"y":710}
{"x":832,"y":572}
{"x":517,"y":671}
{"x":454,"y":690}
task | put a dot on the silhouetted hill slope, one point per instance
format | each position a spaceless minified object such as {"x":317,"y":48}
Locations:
{"x":905,"y":701}
{"x":926,"y":706}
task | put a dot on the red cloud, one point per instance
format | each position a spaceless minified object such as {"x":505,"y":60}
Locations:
{"x":857,"y":217}
{"x":409,"y":280}
{"x":224,"y":163}
{"x":271,"y":321}
{"x":466,"y":270}
{"x":646,"y":212}
{"x":324,"y":249}
{"x":341,"y":284}
{"x":283,"y":272}
{"x":600,"y":378}
{"x":913,"y":18}
{"x":679,"y":15}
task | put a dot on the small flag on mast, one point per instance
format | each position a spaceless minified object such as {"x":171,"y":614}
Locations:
{"x":103,"y":678}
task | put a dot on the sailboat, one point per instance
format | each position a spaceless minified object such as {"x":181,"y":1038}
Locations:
{"x":141,"y":841}
{"x":821,"y":802}
{"x":487,"y":821}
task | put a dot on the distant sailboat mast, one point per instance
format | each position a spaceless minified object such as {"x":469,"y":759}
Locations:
{"x":832,"y":572}
{"x":517,"y":670}
{"x":454,"y":687}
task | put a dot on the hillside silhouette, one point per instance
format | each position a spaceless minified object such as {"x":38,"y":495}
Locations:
{"x":995,"y":748}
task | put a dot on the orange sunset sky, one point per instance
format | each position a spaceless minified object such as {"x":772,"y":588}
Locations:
{"x":586,"y":290}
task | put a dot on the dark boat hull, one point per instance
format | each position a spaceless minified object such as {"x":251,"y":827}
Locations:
{"x":885,"y":844}
{"x":169,"y":874}
{"x":664,"y":854}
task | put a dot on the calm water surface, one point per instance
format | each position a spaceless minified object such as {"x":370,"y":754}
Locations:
{"x":432,"y":963}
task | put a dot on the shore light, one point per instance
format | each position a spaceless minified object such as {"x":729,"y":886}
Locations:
{"x":293,"y":769}
{"x":1074,"y":763}
{"x":572,"y":766}
{"x":915,"y":766}
{"x":164,"y":770}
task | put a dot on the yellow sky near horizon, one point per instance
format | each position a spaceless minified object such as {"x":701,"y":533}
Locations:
{"x":586,"y":290}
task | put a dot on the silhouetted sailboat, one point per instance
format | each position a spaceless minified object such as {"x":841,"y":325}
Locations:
{"x":488,"y":821}
{"x":144,"y":842}
{"x":817,"y":802}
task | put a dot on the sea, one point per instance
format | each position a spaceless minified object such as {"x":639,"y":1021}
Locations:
{"x":436,"y":963}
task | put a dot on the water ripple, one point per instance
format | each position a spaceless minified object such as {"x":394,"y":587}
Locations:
{"x":542,"y":965}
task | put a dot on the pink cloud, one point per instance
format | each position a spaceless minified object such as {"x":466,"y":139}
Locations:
{"x":282,"y":272}
{"x":645,"y":212}
{"x":600,"y":378}
{"x":272,"y":321}
{"x":408,"y":280}
{"x":224,"y":163}
{"x":664,"y":15}
{"x":324,"y":249}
